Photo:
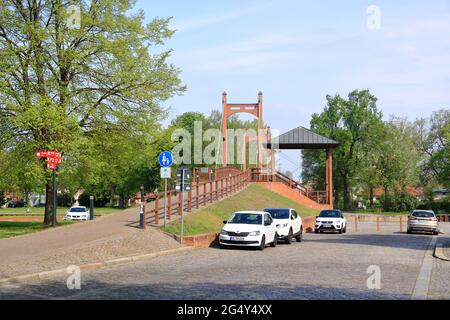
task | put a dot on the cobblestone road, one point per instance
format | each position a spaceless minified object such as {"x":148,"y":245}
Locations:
{"x":324,"y":266}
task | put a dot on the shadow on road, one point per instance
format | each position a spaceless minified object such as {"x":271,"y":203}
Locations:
{"x":394,"y":240}
{"x":188,"y":291}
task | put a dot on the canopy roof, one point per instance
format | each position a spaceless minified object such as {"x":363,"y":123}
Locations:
{"x":301,"y":138}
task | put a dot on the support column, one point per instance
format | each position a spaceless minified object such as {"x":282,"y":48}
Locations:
{"x":224,"y":129}
{"x":244,"y":151}
{"x":329,"y":176}
{"x":260,"y":126}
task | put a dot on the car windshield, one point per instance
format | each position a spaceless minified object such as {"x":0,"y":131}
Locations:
{"x":330,"y":214}
{"x":422,"y":214}
{"x":246,"y":218}
{"x":78,"y":210}
{"x":278,"y":213}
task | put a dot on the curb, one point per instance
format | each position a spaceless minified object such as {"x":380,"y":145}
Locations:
{"x":439,"y":252}
{"x":91,"y":266}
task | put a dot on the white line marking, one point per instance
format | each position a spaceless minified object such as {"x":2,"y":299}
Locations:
{"x":423,"y":280}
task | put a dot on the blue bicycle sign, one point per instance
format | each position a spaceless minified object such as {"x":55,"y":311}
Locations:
{"x":165,"y":159}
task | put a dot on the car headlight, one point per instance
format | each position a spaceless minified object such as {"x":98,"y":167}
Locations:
{"x":223,"y":232}
{"x":254,"y":233}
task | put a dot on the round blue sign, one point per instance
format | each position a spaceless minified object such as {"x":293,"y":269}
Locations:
{"x":165,"y":159}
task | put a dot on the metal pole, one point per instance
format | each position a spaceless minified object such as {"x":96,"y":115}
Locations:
{"x":54,"y":199}
{"x":91,"y":209}
{"x":182,"y":208}
{"x":141,"y":216}
{"x":165,"y":203}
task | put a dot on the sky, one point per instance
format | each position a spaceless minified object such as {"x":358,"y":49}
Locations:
{"x":297,"y":52}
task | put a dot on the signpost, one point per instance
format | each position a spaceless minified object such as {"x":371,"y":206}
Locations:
{"x":165,"y":160}
{"x":53,"y":158}
{"x":184,"y":176}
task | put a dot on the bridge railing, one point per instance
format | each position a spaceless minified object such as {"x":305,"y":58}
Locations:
{"x":201,"y":195}
{"x":263,"y":175}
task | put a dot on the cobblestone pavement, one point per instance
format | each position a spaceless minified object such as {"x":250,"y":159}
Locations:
{"x":323,"y":266}
{"x":440,"y":278}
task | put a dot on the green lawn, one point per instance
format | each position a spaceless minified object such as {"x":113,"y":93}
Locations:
{"x":60,"y":211}
{"x":255,"y":197}
{"x":13,"y":229}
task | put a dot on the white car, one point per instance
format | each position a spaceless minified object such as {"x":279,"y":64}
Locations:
{"x":288,"y":223}
{"x":331,"y":220}
{"x":77,"y":213}
{"x":249,"y":228}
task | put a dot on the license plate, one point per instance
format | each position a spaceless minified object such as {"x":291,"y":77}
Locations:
{"x":237,"y":238}
{"x":327,"y":226}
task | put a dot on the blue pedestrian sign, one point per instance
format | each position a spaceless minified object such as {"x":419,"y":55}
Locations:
{"x":165,"y":159}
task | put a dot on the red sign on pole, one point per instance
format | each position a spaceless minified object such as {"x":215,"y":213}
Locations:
{"x":53,"y":158}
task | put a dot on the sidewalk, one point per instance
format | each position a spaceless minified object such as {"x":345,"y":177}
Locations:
{"x":109,"y":237}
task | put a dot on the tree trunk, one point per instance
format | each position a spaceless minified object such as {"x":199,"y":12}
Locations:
{"x":48,"y":202}
{"x":347,"y":204}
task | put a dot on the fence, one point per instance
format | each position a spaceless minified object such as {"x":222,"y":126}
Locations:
{"x":201,"y":195}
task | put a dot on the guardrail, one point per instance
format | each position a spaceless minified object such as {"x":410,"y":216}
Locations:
{"x":202,"y":195}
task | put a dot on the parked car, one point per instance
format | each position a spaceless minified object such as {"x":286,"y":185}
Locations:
{"x":331,"y":220}
{"x":15,"y":204}
{"x":77,"y":213}
{"x":249,"y":228}
{"x":288,"y":223}
{"x":423,"y":220}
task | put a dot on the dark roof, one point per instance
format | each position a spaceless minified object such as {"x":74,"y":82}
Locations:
{"x":302,"y":138}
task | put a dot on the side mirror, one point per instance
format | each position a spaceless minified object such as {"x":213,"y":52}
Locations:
{"x":317,"y":217}
{"x":225,"y":221}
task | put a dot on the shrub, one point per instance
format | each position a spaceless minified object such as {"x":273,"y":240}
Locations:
{"x":399,"y":202}
{"x":64,"y":200}
{"x":442,"y":207}
{"x":84,"y":200}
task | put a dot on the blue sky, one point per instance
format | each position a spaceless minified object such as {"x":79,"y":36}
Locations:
{"x":297,"y":52}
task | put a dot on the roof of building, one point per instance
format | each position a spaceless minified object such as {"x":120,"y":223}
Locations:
{"x":302,"y":138}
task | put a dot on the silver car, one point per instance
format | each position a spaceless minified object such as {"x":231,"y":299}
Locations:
{"x":423,"y":220}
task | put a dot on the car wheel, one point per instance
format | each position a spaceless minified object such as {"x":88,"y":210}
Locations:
{"x":221,"y":246}
{"x":275,"y":241}
{"x":408,"y":231}
{"x":289,"y":237}
{"x":263,"y":243}
{"x":345,"y":229}
{"x":299,"y":236}
{"x":340,"y":231}
{"x":435,"y":233}
{"x":316,"y":231}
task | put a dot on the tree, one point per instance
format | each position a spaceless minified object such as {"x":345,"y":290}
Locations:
{"x":58,"y":84}
{"x":432,"y":141}
{"x":350,"y":122}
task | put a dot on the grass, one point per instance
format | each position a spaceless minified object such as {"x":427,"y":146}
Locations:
{"x":255,"y":197}
{"x":39,"y":211}
{"x":13,"y":229}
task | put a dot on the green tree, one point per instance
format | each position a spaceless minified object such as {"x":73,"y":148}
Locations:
{"x":350,"y":122}
{"x":58,"y":83}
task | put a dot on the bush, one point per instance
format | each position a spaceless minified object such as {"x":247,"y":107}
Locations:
{"x":2,"y":198}
{"x":64,"y":200}
{"x":442,"y":207}
{"x":84,"y":200}
{"x":399,"y":202}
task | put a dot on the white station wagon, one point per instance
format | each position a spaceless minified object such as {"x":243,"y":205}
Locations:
{"x":249,"y":228}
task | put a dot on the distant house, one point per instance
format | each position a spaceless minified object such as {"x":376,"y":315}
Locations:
{"x":440,"y":194}
{"x":413,"y":191}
